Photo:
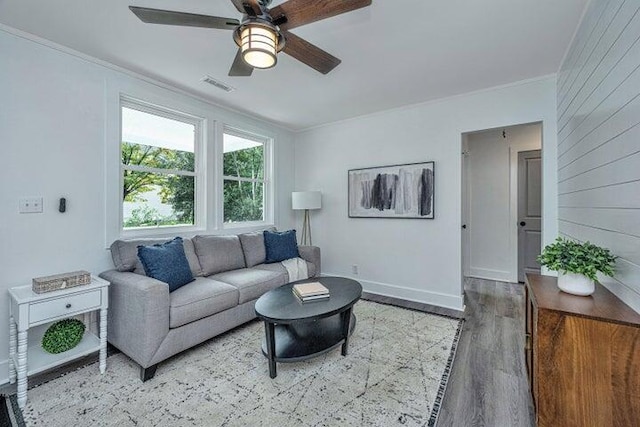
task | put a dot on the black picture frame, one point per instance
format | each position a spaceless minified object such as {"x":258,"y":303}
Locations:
{"x":404,"y":191}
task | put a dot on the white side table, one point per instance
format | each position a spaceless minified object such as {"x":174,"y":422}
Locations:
{"x":30,"y":315}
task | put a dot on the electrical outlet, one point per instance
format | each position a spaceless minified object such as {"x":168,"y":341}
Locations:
{"x":31,"y":205}
{"x":354,"y":269}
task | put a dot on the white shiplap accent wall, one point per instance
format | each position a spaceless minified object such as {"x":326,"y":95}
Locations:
{"x":599,"y":139}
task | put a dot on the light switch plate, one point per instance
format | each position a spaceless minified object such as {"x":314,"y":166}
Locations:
{"x":31,"y":205}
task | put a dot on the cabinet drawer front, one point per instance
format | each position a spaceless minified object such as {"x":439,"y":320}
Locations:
{"x":65,"y":305}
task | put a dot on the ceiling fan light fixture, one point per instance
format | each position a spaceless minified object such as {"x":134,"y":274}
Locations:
{"x":263,"y":31}
{"x":259,"y":44}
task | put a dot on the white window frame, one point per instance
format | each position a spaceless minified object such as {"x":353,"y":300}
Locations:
{"x":268,"y":189}
{"x":198,"y":173}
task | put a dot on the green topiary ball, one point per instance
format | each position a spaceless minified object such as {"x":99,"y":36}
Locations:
{"x":63,"y":336}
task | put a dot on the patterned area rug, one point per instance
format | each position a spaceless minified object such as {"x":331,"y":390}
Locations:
{"x":395,"y":374}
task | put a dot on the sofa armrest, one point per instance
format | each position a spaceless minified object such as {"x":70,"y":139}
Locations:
{"x":138,"y":314}
{"x":312,"y":255}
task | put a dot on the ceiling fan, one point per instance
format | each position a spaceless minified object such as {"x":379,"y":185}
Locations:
{"x":264,"y":31}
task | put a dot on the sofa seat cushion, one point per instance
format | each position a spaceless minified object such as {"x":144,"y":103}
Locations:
{"x":252,"y":282}
{"x":219,"y":253}
{"x":279,"y":268}
{"x":199,"y":299}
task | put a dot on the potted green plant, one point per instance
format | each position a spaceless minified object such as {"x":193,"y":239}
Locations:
{"x":577,"y":264}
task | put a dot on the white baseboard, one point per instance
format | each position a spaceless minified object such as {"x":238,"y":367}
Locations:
{"x":454,"y":302}
{"x":488,"y":274}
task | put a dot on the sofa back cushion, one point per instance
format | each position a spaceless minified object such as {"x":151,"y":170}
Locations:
{"x":253,"y":247}
{"x":125,"y":254}
{"x":219,"y":253}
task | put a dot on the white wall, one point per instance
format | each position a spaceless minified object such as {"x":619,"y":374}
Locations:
{"x":492,"y":182}
{"x":53,"y":127}
{"x":598,"y":139}
{"x":418,"y":260}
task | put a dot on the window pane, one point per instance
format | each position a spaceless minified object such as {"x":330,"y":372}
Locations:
{"x":243,"y":201}
{"x":150,"y":129}
{"x":243,"y":158}
{"x":155,"y":157}
{"x":153,"y":200}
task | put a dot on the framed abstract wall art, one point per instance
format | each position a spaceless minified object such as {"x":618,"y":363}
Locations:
{"x":397,"y":191}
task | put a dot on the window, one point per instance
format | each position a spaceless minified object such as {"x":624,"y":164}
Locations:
{"x":159,"y":167}
{"x":245,"y":182}
{"x":177,"y":171}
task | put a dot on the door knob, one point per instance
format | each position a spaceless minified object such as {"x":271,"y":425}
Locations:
{"x":522,"y":223}
{"x":464,"y":226}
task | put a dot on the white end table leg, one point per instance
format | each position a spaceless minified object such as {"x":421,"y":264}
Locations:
{"x":22,"y":369}
{"x":12,"y":349}
{"x":86,"y":319}
{"x":103,"y":340}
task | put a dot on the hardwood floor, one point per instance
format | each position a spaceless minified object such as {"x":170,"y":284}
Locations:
{"x":488,"y":384}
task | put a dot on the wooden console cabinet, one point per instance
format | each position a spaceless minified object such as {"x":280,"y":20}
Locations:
{"x":582,"y":356}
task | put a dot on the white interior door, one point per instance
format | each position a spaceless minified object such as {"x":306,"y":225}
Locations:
{"x":529,"y":211}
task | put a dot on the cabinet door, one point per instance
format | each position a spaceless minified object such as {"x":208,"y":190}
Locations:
{"x":588,"y":372}
{"x":528,"y":330}
{"x":534,"y":358}
{"x":530,"y":342}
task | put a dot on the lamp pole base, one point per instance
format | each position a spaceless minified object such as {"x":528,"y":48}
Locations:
{"x":306,"y":230}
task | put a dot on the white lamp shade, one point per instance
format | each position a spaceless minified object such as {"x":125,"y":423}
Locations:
{"x":306,"y":200}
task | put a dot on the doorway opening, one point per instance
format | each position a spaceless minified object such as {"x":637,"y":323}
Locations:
{"x":501,"y":202}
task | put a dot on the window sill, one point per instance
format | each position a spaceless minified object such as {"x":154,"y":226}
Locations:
{"x":247,"y":226}
{"x":161,"y":232}
{"x":189,"y":231}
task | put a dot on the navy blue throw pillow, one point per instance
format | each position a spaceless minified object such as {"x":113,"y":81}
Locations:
{"x":280,"y":245}
{"x":167,"y":263}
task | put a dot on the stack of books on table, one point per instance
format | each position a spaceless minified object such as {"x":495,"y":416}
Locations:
{"x":313,"y":291}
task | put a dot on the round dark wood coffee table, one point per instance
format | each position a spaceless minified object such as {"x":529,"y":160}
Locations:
{"x":296,"y":331}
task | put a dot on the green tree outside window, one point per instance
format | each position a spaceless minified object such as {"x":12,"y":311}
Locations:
{"x":243,"y":186}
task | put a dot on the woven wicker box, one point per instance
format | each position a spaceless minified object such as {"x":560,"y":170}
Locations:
{"x":61,"y":281}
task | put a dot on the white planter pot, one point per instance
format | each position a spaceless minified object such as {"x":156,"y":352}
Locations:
{"x":576,"y":284}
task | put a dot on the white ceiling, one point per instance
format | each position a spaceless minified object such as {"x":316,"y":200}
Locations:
{"x":394,"y":52}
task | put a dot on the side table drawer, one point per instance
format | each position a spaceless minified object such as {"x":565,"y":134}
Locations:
{"x":59,"y":307}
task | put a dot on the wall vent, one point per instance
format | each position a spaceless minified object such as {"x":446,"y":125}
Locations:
{"x":217,"y":83}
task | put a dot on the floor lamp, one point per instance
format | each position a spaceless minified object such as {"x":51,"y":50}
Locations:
{"x":306,"y":200}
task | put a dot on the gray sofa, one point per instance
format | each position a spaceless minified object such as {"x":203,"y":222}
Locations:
{"x":149,"y":324}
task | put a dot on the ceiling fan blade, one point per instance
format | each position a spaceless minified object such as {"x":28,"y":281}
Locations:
{"x":309,"y":54}
{"x":301,"y":12}
{"x":238,"y":4}
{"x":239,"y":68}
{"x":250,"y":7}
{"x":168,"y":17}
